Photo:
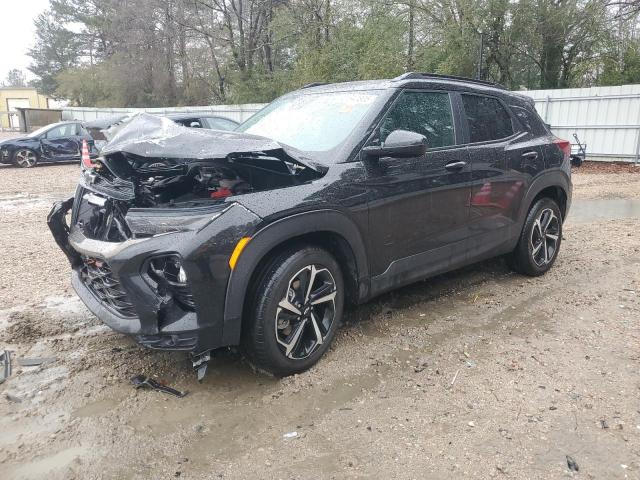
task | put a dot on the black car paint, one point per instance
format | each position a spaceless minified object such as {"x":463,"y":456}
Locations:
{"x":62,"y":149}
{"x":390,"y":222}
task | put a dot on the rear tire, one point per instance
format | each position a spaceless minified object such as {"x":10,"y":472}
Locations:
{"x":539,"y":241}
{"x":290,"y":324}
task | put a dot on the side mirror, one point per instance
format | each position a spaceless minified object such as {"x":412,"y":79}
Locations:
{"x":399,"y":144}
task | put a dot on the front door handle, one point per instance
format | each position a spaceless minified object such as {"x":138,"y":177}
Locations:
{"x":455,"y":166}
{"x":530,"y":155}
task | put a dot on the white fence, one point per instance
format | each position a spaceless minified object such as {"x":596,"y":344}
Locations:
{"x":607,"y":119}
{"x":239,"y":113}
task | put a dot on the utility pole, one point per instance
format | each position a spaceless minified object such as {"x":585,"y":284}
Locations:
{"x":410,"y":50}
{"x":480,"y":56}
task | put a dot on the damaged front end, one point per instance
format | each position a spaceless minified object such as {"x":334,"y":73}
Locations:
{"x":154,"y":221}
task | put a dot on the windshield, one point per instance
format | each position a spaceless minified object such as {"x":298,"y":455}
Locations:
{"x":314,"y":122}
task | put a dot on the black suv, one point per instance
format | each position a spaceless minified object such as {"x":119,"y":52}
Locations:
{"x":193,"y":240}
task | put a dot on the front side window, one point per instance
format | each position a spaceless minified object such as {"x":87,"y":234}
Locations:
{"x":312,"y":122}
{"x":426,"y":113}
{"x":62,"y":131}
{"x":487,"y":118}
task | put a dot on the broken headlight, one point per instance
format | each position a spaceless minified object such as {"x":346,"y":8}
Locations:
{"x":168,"y":278}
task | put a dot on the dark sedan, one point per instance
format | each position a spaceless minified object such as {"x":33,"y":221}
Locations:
{"x":58,"y":142}
{"x":210,"y":122}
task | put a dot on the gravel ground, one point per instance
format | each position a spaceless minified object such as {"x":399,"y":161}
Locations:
{"x":5,"y":135}
{"x":480,"y":373}
{"x":607,"y":181}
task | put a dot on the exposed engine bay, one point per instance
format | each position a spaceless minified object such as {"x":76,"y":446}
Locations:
{"x":151,"y":162}
{"x":164,"y":182}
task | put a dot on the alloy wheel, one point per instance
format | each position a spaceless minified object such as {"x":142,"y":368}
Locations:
{"x":26,"y":158}
{"x":306,"y":313}
{"x":545,"y":236}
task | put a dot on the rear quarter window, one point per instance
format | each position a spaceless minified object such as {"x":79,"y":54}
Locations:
{"x":487,"y":118}
{"x":530,"y":120}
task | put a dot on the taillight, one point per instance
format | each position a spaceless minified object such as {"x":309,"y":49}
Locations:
{"x":565,"y":146}
{"x":86,"y":159}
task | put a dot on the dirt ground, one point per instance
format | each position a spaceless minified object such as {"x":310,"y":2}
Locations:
{"x":479,"y":374}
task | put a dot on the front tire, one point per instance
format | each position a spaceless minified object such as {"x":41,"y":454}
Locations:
{"x":294,"y":309}
{"x":539,"y":241}
{"x":25,"y":158}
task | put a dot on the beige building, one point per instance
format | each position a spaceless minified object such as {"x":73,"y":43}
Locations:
{"x":12,"y":98}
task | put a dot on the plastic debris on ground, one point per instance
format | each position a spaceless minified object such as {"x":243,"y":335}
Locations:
{"x":5,"y":365}
{"x":142,"y":381}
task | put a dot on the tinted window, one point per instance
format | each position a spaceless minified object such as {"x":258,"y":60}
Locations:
{"x":426,"y":113}
{"x":529,"y":119}
{"x":487,"y":118}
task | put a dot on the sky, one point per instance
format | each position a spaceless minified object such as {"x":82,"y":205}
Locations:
{"x":18,"y":33}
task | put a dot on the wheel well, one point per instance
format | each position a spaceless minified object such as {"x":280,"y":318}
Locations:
{"x":335,"y":244}
{"x":555,"y":193}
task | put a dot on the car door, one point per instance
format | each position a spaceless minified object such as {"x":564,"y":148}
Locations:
{"x":419,"y":206}
{"x":494,"y":139}
{"x":60,"y":143}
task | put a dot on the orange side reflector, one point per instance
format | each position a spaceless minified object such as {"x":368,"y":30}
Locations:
{"x":237,"y":251}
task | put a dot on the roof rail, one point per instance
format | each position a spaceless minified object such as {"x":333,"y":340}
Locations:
{"x":314,"y":84}
{"x":424,"y":76}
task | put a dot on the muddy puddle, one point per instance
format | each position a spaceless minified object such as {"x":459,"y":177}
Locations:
{"x":587,"y":211}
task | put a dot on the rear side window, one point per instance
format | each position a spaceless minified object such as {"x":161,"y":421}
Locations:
{"x":427,"y":113}
{"x":487,"y":118}
{"x":189,"y":122}
{"x":529,"y":119}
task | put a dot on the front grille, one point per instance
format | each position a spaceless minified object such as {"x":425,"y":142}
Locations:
{"x":98,"y":277}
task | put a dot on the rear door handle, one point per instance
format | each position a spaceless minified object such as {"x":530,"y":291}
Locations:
{"x":530,"y":155}
{"x":455,"y":166}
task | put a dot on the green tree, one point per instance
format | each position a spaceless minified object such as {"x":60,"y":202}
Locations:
{"x":15,"y":78}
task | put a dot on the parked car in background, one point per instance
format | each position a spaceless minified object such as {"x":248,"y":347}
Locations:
{"x":97,"y":128}
{"x":329,"y":196}
{"x":195,"y":120}
{"x":58,"y":142}
{"x":102,"y":129}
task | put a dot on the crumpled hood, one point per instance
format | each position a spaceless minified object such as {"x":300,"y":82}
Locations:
{"x":148,"y":135}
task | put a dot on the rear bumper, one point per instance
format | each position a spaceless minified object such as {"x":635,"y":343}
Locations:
{"x":155,"y":322}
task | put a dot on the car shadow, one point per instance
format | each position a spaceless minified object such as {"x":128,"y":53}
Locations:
{"x":428,"y":290}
